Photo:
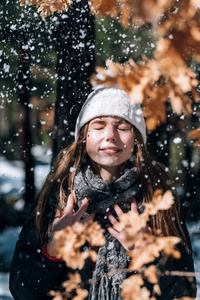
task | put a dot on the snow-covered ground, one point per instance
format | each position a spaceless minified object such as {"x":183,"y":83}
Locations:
{"x":9,"y":236}
{"x":12,"y":177}
{"x":194,"y":230}
{"x":4,"y":291}
{"x":8,"y":239}
{"x":12,"y":187}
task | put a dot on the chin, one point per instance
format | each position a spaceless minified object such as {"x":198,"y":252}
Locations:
{"x":111,"y":164}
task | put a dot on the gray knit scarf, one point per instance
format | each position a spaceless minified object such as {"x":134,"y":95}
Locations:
{"x":102,"y":195}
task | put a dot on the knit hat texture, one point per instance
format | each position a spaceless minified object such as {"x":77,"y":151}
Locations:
{"x":111,"y":102}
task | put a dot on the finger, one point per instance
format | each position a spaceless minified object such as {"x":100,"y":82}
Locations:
{"x":91,"y":217}
{"x":57,"y":213}
{"x":70,"y":205}
{"x":82,"y":209}
{"x":118,"y":210}
{"x":114,"y":232}
{"x":149,"y":230}
{"x":134,"y":205}
{"x":111,"y":218}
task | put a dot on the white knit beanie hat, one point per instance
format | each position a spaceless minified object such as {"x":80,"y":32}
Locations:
{"x":111,"y":102}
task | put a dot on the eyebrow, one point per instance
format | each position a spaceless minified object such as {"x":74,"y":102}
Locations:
{"x":99,"y":121}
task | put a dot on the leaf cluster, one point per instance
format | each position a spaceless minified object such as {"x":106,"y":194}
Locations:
{"x":145,"y":246}
{"x":153,"y":82}
{"x":72,"y":239}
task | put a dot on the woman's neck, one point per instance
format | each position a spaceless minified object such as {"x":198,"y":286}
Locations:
{"x":108,"y":173}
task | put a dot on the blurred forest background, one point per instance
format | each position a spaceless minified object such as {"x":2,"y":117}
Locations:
{"x":45,"y":70}
{"x":45,"y":67}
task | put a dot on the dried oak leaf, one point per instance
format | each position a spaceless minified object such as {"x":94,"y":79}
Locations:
{"x":195,"y":134}
{"x":131,"y":77}
{"x":152,"y":249}
{"x":131,"y":220}
{"x":180,"y":78}
{"x":73,"y":282}
{"x":185,"y":298}
{"x":159,"y":201}
{"x":125,"y":12}
{"x":150,"y":10}
{"x":154,"y":112}
{"x":71,"y":239}
{"x":80,"y":294}
{"x":72,"y":286}
{"x":132,"y":225}
{"x":95,"y":235}
{"x":46,"y":7}
{"x":104,"y":8}
{"x":132,"y":289}
{"x":151,"y":273}
{"x":56,"y":295}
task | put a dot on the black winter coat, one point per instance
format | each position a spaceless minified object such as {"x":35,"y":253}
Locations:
{"x":32,"y":275}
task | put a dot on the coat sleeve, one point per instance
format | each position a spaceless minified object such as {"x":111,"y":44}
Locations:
{"x":32,"y":275}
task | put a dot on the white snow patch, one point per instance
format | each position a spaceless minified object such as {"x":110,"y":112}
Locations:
{"x":177,"y":140}
{"x":110,"y":245}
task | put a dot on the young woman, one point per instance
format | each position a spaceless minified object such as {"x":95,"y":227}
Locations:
{"x":104,"y":173}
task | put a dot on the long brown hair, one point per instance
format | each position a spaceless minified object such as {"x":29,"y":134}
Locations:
{"x":61,"y":175}
{"x":152,"y":176}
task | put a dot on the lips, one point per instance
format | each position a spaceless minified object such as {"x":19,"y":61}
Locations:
{"x":110,"y":150}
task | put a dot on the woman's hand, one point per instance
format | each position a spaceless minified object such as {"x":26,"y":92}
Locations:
{"x":67,"y":219}
{"x":120,"y":236}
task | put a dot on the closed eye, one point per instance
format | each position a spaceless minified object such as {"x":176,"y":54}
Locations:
{"x":98,"y":128}
{"x":124,"y":129}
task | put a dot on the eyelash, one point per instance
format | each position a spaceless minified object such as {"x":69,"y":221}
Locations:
{"x":122,"y":129}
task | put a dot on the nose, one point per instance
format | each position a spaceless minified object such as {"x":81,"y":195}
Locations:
{"x":110,"y":134}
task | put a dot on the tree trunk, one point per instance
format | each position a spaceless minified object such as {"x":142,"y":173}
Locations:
{"x":23,"y":77}
{"x":74,"y":41}
{"x":158,"y":145}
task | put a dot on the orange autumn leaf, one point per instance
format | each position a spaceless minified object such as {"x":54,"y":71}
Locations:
{"x":159,"y":202}
{"x":195,"y":135}
{"x":151,"y":83}
{"x":80,"y":294}
{"x":154,"y":112}
{"x":72,"y":286}
{"x":151,"y":273}
{"x":186,"y":298}
{"x":180,"y":42}
{"x":132,"y":289}
{"x":145,"y":245}
{"x":151,"y":249}
{"x":71,"y":239}
{"x":56,"y":295}
{"x":46,"y":7}
{"x":104,"y":8}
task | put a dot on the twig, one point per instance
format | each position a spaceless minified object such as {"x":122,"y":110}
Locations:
{"x":182,"y":273}
{"x":112,"y":272}
{"x":126,"y":270}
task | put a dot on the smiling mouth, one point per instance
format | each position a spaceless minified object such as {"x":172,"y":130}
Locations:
{"x":110,"y":150}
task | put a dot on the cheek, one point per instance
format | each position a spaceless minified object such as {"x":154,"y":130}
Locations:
{"x":90,"y":142}
{"x":129,"y":144}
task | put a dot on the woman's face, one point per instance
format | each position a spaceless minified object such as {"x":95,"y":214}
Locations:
{"x":109,"y":141}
